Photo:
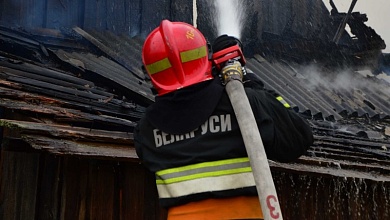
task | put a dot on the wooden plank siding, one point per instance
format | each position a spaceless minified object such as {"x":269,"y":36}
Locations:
{"x":18,"y":185}
{"x":63,"y":13}
{"x":139,"y":18}
{"x":52,"y":187}
{"x":41,"y":186}
{"x":63,"y":181}
{"x":304,"y":17}
{"x":118,"y":16}
{"x":319,"y":197}
{"x":26,"y":13}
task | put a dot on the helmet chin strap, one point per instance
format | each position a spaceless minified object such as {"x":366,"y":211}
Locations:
{"x":210,"y":50}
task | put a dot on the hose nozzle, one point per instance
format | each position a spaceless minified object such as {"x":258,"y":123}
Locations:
{"x":232,"y":70}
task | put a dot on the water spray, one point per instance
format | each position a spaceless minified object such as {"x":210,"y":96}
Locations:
{"x":230,"y":17}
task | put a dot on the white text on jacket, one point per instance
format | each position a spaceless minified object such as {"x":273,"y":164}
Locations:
{"x":215,"y":124}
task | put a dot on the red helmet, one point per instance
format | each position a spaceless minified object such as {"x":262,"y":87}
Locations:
{"x":175,"y":55}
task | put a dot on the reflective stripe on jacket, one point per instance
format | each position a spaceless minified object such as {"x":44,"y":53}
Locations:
{"x":204,"y":177}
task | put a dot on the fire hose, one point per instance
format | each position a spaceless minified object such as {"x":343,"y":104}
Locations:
{"x":232,"y":74}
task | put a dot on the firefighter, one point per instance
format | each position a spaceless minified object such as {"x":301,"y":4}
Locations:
{"x":190,"y":137}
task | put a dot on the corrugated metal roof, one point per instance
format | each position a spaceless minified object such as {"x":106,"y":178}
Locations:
{"x":322,"y":96}
{"x":349,"y":120}
{"x":111,"y":71}
{"x":65,"y":90}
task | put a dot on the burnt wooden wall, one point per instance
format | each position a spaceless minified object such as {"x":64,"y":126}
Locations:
{"x":304,"y":17}
{"x":40,"y":186}
{"x":133,"y":17}
{"x":35,"y":185}
{"x":325,"y":197}
{"x":136,"y":17}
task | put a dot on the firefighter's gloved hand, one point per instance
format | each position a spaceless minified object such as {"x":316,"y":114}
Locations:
{"x":252,"y":80}
{"x":225,"y":41}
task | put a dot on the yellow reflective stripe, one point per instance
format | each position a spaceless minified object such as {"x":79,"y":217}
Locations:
{"x":280,"y":99}
{"x":208,"y":184}
{"x":203,"y":175}
{"x":158,"y":66}
{"x":194,"y":54}
{"x":202,"y":165}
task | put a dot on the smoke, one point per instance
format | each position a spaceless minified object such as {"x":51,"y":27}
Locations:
{"x":230,"y":17}
{"x":343,"y":79}
{"x":384,"y":77}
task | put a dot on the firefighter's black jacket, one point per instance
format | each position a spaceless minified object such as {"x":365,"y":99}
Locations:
{"x":286,"y":136}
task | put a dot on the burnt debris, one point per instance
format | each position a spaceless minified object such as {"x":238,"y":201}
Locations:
{"x":330,"y":45}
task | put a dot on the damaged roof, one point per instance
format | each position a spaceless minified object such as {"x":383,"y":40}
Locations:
{"x":82,"y":94}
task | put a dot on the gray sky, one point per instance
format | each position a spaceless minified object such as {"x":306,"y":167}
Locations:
{"x":377,"y":12}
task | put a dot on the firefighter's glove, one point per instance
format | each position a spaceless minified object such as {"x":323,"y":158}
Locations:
{"x":225,"y":41}
{"x":252,"y":80}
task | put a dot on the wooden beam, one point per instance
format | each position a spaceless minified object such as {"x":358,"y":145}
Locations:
{"x":95,"y":150}
{"x":62,"y":132}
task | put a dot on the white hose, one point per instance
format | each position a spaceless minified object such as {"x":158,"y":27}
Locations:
{"x":255,"y":149}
